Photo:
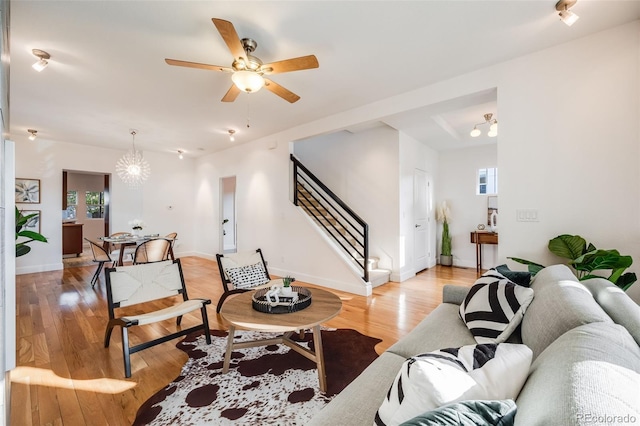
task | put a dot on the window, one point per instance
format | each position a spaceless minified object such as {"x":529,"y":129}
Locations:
{"x":72,"y":204}
{"x":95,"y":204}
{"x":487,"y":181}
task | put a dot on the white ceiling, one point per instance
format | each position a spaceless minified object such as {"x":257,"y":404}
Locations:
{"x":107,"y":73}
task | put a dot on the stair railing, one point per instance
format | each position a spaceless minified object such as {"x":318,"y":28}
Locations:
{"x":338,"y":220}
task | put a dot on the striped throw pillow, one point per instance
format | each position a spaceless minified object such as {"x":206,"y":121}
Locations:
{"x":474,"y":372}
{"x":494,"y":307}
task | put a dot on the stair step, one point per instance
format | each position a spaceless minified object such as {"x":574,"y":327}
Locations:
{"x":377,"y":277}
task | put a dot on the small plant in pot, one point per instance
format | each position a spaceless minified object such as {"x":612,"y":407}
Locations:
{"x":286,"y":285}
{"x":443,"y":214}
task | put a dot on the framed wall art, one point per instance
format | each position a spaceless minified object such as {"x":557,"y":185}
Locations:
{"x":28,"y":191}
{"x":32,"y":224}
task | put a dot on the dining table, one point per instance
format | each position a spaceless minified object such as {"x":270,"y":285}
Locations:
{"x":129,"y":240}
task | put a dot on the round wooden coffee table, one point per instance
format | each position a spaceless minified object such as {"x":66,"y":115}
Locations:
{"x":239,"y":313}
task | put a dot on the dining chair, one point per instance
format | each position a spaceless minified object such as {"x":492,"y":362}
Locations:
{"x":172,"y":237}
{"x":101,"y":256}
{"x":114,"y":248}
{"x":155,"y":250}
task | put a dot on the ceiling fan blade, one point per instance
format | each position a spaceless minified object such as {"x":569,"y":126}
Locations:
{"x":231,"y":94}
{"x":294,"y":64}
{"x":197,"y":65}
{"x":230,"y":36}
{"x":285,"y":94}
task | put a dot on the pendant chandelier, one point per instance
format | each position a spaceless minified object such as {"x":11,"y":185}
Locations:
{"x":132,"y":168}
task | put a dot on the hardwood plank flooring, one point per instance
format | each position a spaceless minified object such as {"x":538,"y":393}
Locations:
{"x":66,"y":377}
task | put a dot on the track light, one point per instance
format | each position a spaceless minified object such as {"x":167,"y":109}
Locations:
{"x":42,"y":59}
{"x":567,"y":16}
{"x":32,"y":136}
{"x":493,"y":127}
{"x":232,"y":132}
{"x":180,"y":156}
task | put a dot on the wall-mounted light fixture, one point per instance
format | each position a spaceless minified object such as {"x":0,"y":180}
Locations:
{"x":232,"y":135}
{"x":493,"y":127}
{"x":566,"y":15}
{"x":180,"y":156}
{"x":33,"y":134}
{"x":42,"y":59}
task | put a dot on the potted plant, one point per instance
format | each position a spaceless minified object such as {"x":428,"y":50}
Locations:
{"x":286,"y":286}
{"x":586,"y":258}
{"x":443,"y":215}
{"x":21,"y":222}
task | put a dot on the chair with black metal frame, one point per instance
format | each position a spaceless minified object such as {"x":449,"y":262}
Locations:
{"x":155,"y":250}
{"x":142,"y":283}
{"x":101,"y":256}
{"x":241,"y":272}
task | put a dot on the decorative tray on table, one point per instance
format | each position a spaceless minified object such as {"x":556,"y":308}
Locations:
{"x":264,"y":300}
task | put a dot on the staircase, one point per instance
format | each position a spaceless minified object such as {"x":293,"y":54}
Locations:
{"x":346,"y":231}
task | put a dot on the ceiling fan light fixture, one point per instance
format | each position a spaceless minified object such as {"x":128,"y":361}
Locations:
{"x":566,"y":15}
{"x":42,"y":59}
{"x":32,"y":134}
{"x":248,"y":81}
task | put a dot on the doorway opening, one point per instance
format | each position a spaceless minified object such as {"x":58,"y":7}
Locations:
{"x":85,"y":214}
{"x":228,"y":225}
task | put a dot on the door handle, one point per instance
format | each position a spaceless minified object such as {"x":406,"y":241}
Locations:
{"x":417,"y":226}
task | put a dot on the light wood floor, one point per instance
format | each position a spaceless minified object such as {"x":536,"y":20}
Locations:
{"x":66,"y":377}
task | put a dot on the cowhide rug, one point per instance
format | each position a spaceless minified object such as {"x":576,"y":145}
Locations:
{"x":270,"y":385}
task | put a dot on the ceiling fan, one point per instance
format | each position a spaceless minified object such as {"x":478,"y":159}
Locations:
{"x":248,"y":71}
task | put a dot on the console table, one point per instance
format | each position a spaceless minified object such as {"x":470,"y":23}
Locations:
{"x":479,"y":238}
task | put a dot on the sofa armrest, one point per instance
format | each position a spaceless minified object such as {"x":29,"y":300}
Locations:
{"x":454,"y":294}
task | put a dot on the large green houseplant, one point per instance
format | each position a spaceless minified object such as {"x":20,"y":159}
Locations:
{"x":586,"y":258}
{"x":21,"y":222}
{"x":443,"y":214}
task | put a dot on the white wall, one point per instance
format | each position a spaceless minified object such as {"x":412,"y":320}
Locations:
{"x":457,"y":185}
{"x":570,"y":146}
{"x":171,"y":184}
{"x":266,"y":218}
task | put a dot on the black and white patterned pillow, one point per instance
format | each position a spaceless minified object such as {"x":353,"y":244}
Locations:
{"x":494,"y":307}
{"x":474,"y":372}
{"x":247,"y":276}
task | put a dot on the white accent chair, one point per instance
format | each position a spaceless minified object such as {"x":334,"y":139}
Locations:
{"x":138,"y":284}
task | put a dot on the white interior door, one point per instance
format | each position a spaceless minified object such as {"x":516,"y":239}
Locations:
{"x":228,"y":215}
{"x":421,"y":187}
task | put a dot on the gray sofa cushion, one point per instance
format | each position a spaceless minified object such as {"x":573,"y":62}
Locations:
{"x":454,"y":294}
{"x":441,"y":329}
{"x":617,"y":304}
{"x":592,"y":370}
{"x":357,"y":404}
{"x":560,"y":303}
